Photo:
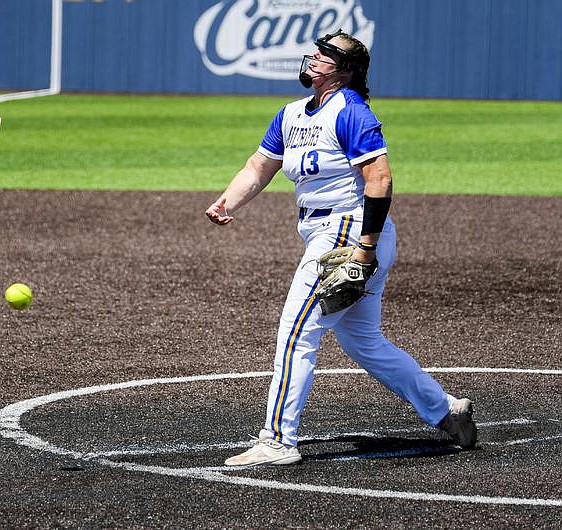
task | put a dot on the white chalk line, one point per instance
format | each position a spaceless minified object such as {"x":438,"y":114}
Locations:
{"x":214,"y":475}
{"x":503,"y":423}
{"x":10,"y":428}
{"x":16,"y":410}
{"x":521,"y":441}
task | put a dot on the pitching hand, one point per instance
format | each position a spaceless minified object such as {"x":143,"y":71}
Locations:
{"x":217,"y":213}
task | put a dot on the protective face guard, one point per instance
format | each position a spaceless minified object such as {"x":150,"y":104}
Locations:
{"x":306,"y":79}
{"x":307,"y":59}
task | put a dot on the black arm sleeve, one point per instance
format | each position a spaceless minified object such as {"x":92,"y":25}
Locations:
{"x":375,"y":210}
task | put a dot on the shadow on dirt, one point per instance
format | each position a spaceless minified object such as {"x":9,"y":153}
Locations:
{"x":365,"y":447}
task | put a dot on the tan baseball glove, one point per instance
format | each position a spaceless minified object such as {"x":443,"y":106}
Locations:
{"x":342,"y":279}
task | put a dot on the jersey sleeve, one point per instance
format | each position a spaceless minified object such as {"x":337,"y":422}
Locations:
{"x":359,"y":133}
{"x":272,"y":144}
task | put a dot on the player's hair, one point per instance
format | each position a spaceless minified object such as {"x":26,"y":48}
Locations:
{"x":359,"y":65}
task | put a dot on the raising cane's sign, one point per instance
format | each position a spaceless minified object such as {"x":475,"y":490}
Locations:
{"x":267,"y":38}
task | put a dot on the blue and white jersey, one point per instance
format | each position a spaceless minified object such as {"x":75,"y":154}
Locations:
{"x":320,"y":149}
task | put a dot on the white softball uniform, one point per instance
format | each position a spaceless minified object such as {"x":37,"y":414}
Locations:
{"x":320,"y":150}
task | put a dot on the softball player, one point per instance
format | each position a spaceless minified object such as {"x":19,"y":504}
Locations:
{"x":331,"y":146}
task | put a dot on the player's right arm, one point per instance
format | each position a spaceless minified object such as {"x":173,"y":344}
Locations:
{"x":246,"y":184}
{"x":254,"y":176}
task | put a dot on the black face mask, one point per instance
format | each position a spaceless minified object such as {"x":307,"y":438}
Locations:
{"x":306,"y":79}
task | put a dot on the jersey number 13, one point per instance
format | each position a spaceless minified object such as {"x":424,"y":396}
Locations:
{"x":309,"y":163}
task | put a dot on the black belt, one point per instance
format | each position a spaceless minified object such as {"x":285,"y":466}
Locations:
{"x":319,"y":212}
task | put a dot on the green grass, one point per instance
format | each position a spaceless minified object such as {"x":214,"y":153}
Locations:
{"x":198,"y":143}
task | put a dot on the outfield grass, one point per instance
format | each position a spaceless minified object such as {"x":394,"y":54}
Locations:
{"x":198,"y":143}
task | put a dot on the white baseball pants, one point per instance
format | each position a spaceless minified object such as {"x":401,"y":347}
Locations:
{"x":357,"y":329}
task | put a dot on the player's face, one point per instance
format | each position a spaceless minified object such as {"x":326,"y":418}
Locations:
{"x":319,"y":70}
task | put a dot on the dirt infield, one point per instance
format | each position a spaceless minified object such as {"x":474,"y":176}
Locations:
{"x":133,"y":286}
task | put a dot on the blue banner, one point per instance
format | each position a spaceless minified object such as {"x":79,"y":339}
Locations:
{"x":499,"y":49}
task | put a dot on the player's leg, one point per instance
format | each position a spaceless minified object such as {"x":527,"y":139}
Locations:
{"x":298,"y":339}
{"x":360,"y":336}
{"x":300,"y":331}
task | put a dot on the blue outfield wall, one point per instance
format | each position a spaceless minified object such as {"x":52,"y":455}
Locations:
{"x":498,"y":49}
{"x":25,"y":41}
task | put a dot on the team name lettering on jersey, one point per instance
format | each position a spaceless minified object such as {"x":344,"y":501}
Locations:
{"x":303,"y":136}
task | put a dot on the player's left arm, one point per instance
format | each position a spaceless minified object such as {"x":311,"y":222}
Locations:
{"x":378,"y":194}
{"x":359,"y":133}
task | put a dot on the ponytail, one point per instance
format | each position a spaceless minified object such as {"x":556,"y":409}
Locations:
{"x":358,"y":64}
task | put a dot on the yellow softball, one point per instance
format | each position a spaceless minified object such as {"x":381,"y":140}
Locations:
{"x":19,"y":296}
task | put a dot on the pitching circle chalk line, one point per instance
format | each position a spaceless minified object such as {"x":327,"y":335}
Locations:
{"x":11,"y":428}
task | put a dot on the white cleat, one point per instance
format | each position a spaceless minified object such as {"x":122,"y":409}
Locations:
{"x":266,"y":451}
{"x":458,"y":424}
